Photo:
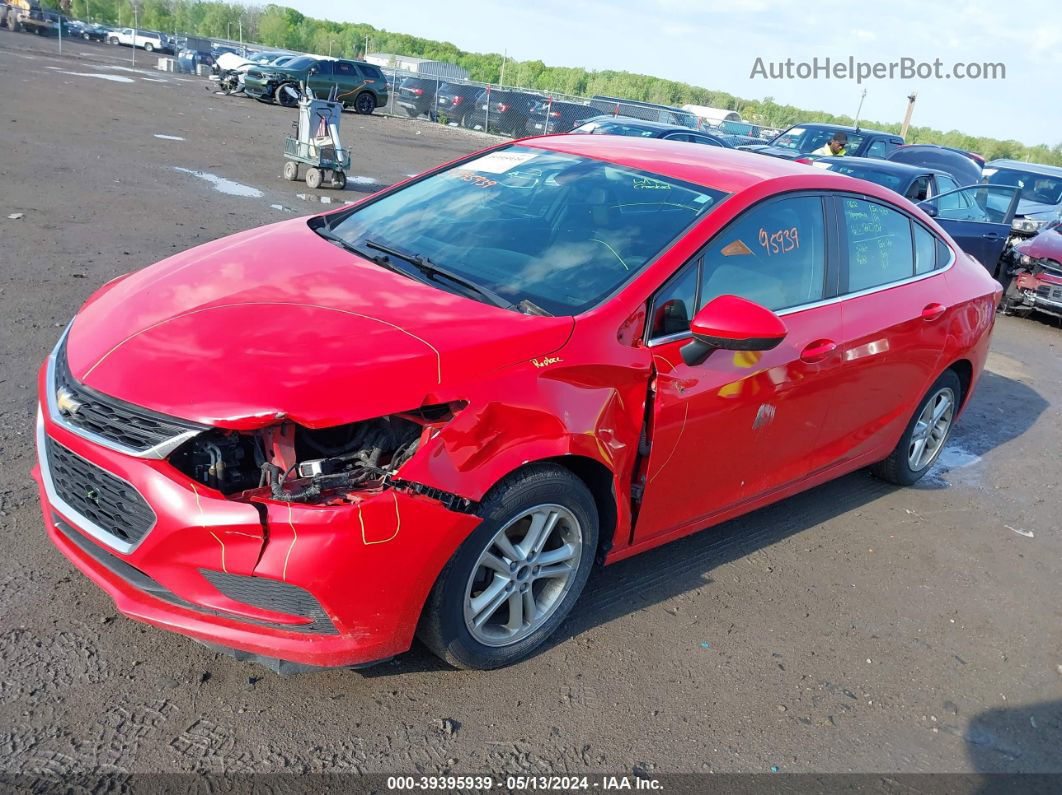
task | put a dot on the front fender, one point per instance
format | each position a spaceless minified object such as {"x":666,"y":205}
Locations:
{"x":537,"y":411}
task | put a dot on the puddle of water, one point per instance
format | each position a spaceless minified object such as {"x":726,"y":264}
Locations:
{"x":955,"y":457}
{"x":126,"y":69}
{"x":226,"y":186}
{"x":282,"y":208}
{"x":169,"y":137}
{"x":313,"y":197}
{"x":112,"y":78}
{"x":155,"y":79}
{"x":361,"y":180}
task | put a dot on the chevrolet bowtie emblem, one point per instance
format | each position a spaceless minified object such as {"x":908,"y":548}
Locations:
{"x":65,"y":401}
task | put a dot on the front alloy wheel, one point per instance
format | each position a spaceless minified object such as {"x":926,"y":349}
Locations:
{"x":516,"y":577}
{"x":523,"y":575}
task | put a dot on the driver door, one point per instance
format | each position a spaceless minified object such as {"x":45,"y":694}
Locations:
{"x":978,"y":218}
{"x":741,"y":424}
{"x":320,"y":79}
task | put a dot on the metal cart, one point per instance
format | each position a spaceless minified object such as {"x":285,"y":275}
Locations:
{"x":316,"y":143}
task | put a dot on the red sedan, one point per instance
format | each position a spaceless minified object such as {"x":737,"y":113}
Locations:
{"x":431,"y":412}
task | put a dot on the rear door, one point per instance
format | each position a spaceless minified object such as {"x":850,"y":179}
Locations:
{"x":742,"y":423}
{"x":896,"y":313}
{"x":978,"y":218}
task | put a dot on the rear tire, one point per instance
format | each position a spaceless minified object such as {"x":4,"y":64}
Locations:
{"x":339,"y":180}
{"x":314,"y":178}
{"x":534,"y":585}
{"x":364,"y":103}
{"x":925,"y":435}
{"x":149,"y":47}
{"x":291,"y":170}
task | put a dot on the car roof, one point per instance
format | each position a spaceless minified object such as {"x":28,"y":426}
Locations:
{"x":1021,"y":165}
{"x":842,"y":127}
{"x":631,"y":121}
{"x":724,"y":169}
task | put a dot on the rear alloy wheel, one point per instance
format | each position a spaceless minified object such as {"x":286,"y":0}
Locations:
{"x":517,"y":576}
{"x":149,"y":47}
{"x":925,"y":435}
{"x":113,"y":41}
{"x":287,"y":94}
{"x":364,"y":103}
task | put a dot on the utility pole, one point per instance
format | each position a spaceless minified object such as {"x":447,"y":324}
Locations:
{"x":505,"y":57}
{"x":859,"y":110}
{"x":907,"y":117}
{"x":366,"y":47}
{"x":136,"y":24}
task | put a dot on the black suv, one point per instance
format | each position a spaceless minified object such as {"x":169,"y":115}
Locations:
{"x":557,"y":116}
{"x":497,"y":110}
{"x":457,"y":99}
{"x":416,"y":96}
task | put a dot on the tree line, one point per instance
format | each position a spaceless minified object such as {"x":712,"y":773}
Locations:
{"x":282,"y":27}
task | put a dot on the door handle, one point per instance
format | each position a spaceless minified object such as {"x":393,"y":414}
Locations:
{"x":817,"y":351}
{"x":992,"y":236}
{"x":933,"y":311}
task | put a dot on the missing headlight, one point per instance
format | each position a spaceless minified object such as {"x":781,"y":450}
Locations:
{"x":297,"y":464}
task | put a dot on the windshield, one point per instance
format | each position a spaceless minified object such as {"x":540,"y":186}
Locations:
{"x":302,"y":62}
{"x":805,"y":140}
{"x":890,"y":181}
{"x":554,"y":229}
{"x":1038,"y":188}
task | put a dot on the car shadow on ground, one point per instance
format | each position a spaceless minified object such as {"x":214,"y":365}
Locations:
{"x":1001,"y":409}
{"x":1009,"y":740}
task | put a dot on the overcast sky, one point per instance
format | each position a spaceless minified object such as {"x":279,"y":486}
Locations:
{"x":715,"y":44}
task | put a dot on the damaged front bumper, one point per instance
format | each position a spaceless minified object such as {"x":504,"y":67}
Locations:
{"x":292,"y":585}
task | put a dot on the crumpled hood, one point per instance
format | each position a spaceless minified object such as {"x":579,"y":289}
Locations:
{"x":277,"y":322}
{"x":1046,"y":245}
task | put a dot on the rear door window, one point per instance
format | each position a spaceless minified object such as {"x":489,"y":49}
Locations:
{"x":879,"y":244}
{"x":345,"y":68}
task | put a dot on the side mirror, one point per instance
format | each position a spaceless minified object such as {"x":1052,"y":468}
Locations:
{"x":733,"y":324}
{"x":929,"y":208}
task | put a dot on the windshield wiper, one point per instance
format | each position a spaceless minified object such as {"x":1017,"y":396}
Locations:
{"x":430,"y":269}
{"x":378,"y":259}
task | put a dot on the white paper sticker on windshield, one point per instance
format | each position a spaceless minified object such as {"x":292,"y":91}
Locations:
{"x":499,"y":162}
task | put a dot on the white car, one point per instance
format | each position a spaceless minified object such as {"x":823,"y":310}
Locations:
{"x":147,"y":40}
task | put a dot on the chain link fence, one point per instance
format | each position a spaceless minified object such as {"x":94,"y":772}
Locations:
{"x":519,"y":112}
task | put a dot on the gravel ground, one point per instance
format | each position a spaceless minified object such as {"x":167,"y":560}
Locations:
{"x":857,"y":627}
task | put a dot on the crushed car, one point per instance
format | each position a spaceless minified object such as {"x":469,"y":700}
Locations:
{"x":1036,"y":274}
{"x":430,"y":413}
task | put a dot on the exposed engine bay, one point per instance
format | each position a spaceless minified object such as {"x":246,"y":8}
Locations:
{"x":292,"y":463}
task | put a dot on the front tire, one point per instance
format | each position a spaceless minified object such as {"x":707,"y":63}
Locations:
{"x":925,"y":435}
{"x":516,"y":577}
{"x":287,"y":94}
